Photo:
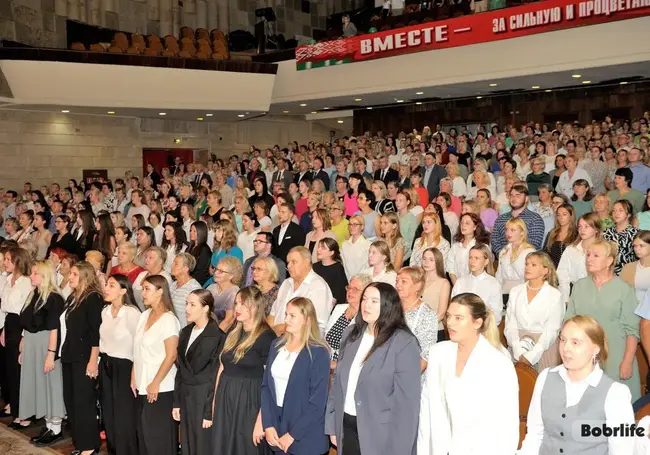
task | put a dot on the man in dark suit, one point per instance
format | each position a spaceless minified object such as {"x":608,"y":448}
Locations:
{"x":385,"y":173}
{"x":282,"y":174}
{"x":302,"y":174}
{"x":319,"y":173}
{"x":176,"y":168}
{"x":262,"y":245}
{"x":431,"y":175}
{"x":288,"y":234}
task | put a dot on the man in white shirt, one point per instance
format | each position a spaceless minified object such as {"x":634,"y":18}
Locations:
{"x":303,"y":282}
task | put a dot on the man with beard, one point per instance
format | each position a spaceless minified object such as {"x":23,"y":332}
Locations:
{"x":518,"y":199}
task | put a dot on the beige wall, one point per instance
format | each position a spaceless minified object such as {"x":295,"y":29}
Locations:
{"x":46,"y":147}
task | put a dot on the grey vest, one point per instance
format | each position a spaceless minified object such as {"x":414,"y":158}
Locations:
{"x":562,"y":425}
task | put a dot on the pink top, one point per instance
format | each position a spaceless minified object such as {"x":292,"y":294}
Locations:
{"x":489,"y":216}
{"x":351,"y":206}
{"x":423,"y":195}
{"x":456,"y":205}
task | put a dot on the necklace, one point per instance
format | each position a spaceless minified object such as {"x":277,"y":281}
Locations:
{"x":412,"y":307}
{"x":532,"y":288}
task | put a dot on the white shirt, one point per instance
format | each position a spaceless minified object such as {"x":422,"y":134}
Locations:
{"x":509,"y":273}
{"x":486,"y":287}
{"x":283,"y":230}
{"x":474,"y":414}
{"x":459,"y":187}
{"x":367,"y":341}
{"x":452,"y":221}
{"x":158,"y":232}
{"x":194,"y":334}
{"x":142,"y":210}
{"x":572,"y":267}
{"x":618,"y":410}
{"x":458,"y":259}
{"x":245,"y":243}
{"x":179,"y":298}
{"x":116,"y":334}
{"x":171,"y":255}
{"x":382,"y":277}
{"x":137,"y":286}
{"x":544,"y":315}
{"x":355,"y":256}
{"x":565,"y":184}
{"x":149,"y":351}
{"x":314,"y":288}
{"x":14,"y":297}
{"x":281,"y":371}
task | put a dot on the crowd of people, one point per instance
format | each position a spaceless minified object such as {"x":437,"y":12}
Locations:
{"x":346,"y":293}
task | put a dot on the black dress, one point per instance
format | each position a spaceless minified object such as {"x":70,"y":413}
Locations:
{"x":334,"y":276}
{"x":67,"y":243}
{"x":238,"y":400}
{"x":555,"y":251}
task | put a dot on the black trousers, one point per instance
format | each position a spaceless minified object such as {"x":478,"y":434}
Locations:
{"x":4,"y":387}
{"x":118,"y":405}
{"x":13,"y":334}
{"x":80,"y":398}
{"x":350,"y":436}
{"x":157,"y":429}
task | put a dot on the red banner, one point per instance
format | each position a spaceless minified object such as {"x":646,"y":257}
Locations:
{"x":495,"y":25}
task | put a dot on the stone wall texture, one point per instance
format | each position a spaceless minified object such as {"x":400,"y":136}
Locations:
{"x":51,"y":147}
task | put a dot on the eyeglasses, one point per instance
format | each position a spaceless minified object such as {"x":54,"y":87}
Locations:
{"x":222,"y":271}
{"x":257,"y":269}
{"x":260,"y":241}
{"x":350,"y":288}
{"x":355,"y":224}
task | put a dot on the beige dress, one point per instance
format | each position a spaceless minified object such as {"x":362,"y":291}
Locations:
{"x":431,"y":296}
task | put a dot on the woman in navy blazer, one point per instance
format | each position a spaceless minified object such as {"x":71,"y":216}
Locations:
{"x":295,"y":385}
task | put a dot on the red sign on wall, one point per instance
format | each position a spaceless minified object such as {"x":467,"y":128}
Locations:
{"x":495,"y":25}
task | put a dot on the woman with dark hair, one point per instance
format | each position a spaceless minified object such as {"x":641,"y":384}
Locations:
{"x":145,"y":238}
{"x":622,"y":233}
{"x":63,"y":238}
{"x":116,"y":334}
{"x":104,"y":241}
{"x":174,"y":243}
{"x":356,"y":184}
{"x":237,"y":405}
{"x":330,"y":267}
{"x":374,"y":401}
{"x":471,"y":232}
{"x":42,"y":236}
{"x":199,"y":349}
{"x":154,"y":371}
{"x":85,"y":232}
{"x":563,"y":234}
{"x":261,"y":193}
{"x":79,"y":351}
{"x":582,"y":199}
{"x":201,"y":251}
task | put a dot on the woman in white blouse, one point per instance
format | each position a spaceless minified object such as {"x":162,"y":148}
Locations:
{"x":470,"y":401}
{"x":580,"y":392}
{"x":459,"y":185}
{"x":481,"y":281}
{"x":572,"y":266}
{"x":431,"y":238}
{"x":354,"y":251}
{"x":471,"y":232}
{"x":154,"y":372}
{"x":512,"y":259}
{"x":381,"y":269}
{"x":17,"y":264}
{"x":534,"y":314}
{"x":116,"y":333}
{"x":247,"y":235}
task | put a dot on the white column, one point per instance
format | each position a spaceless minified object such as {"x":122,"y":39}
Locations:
{"x":165,"y":12}
{"x":223,"y":14}
{"x":201,"y":14}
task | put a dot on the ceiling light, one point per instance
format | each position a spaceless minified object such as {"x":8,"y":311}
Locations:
{"x":548,"y":90}
{"x":303,"y":104}
{"x":340,"y":121}
{"x":369,"y":108}
{"x":479,"y":97}
{"x":286,"y":112}
{"x":65,"y":111}
{"x":241,"y":116}
{"x":357,"y":99}
{"x":419,"y":93}
{"x":400,"y":101}
{"x":209,"y":115}
{"x":200,"y":119}
{"x":325,"y":108}
{"x":111,"y":112}
{"x":576,"y":76}
{"x":314,"y":112}
{"x":493,"y":85}
{"x":624,"y":82}
{"x":162,"y":113}
{"x":418,"y":103}
{"x":586,"y":82}
{"x":535,"y":86}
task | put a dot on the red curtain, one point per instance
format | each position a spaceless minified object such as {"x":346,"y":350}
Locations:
{"x":161,"y":158}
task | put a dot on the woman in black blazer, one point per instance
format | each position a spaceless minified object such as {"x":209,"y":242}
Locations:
{"x":201,"y":251}
{"x":295,"y":385}
{"x":199,"y":347}
{"x":79,"y":343}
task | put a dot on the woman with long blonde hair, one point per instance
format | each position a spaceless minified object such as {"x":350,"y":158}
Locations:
{"x":512,"y":259}
{"x":390,"y":232}
{"x":302,"y":355}
{"x":431,"y":238}
{"x":41,"y":382}
{"x":237,"y":410}
{"x":534,"y":314}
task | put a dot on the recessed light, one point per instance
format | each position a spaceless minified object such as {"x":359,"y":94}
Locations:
{"x":200,"y":119}
{"x":357,"y":99}
{"x":241,"y":115}
{"x":535,"y":86}
{"x":314,"y":112}
{"x":586,"y":82}
{"x":419,"y":102}
{"x":400,"y":101}
{"x":111,"y":112}
{"x":369,"y":108}
{"x":65,"y":111}
{"x":576,"y":76}
{"x":624,"y":83}
{"x":209,"y":115}
{"x":303,"y":104}
{"x":286,"y":112}
{"x":493,"y":84}
{"x":325,"y":108}
{"x":479,"y":97}
{"x":548,"y":90}
{"x":162,"y":113}
{"x":419,"y":93}
{"x":340,"y":121}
